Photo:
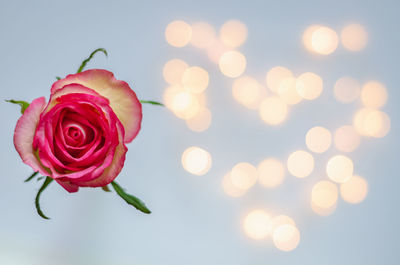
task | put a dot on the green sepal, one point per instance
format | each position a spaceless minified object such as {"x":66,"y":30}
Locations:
{"x":31,"y":177}
{"x":130,"y":199}
{"x":106,"y":188}
{"x":42,"y":188}
{"x":152,"y":102}
{"x":24,"y":105}
{"x":58,"y":78}
{"x":83,"y":64}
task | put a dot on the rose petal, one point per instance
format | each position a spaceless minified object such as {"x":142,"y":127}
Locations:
{"x":24,"y":133}
{"x":111,"y":172}
{"x":122,"y":98}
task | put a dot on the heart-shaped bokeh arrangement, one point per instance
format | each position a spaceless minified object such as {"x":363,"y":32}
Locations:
{"x":272,"y":98}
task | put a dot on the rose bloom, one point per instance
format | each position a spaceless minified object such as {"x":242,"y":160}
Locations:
{"x":78,"y":138}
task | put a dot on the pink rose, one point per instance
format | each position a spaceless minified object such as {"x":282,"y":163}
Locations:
{"x":78,"y":138}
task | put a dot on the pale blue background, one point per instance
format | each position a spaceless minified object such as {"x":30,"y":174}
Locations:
{"x":193,"y":221}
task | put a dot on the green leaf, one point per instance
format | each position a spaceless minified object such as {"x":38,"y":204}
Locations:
{"x":58,"y":78}
{"x":31,"y":177}
{"x":106,"y":188}
{"x":42,"y":188}
{"x":130,"y":199}
{"x":152,"y":102}
{"x":83,"y":64}
{"x":24,"y":105}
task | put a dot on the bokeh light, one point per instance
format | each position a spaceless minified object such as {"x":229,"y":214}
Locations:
{"x":374,"y":94}
{"x":233,"y":33}
{"x":271,"y":172}
{"x":203,"y":35}
{"x":173,"y":71}
{"x":185,"y":105}
{"x":230,"y":189}
{"x":215,"y":51}
{"x":318,"y":139}
{"x":354,"y":190}
{"x":354,"y":37}
{"x":323,"y":211}
{"x":232,"y":64}
{"x":170,"y":93}
{"x":244,"y":175}
{"x":247,"y":91}
{"x":196,"y":160}
{"x":257,"y":224}
{"x":286,"y":237}
{"x":370,"y":122}
{"x":347,"y":90}
{"x":280,"y":220}
{"x":273,"y":110}
{"x":346,"y":139}
{"x":307,"y":37}
{"x":309,"y":86}
{"x":324,"y":40}
{"x":195,"y":79}
{"x":275,"y":76}
{"x":340,"y":168}
{"x":324,"y":194}
{"x":300,"y":164}
{"x":377,"y":124}
{"x":287,"y":91}
{"x":178,"y":33}
{"x":201,"y":121}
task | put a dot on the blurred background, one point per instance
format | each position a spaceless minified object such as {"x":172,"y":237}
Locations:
{"x":278,"y":143}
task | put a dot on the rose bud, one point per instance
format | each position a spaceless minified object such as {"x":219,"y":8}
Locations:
{"x":78,"y":138}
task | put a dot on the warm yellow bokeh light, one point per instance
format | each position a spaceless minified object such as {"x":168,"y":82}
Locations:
{"x":257,"y":224}
{"x":370,"y":122}
{"x":324,"y":40}
{"x":374,"y":94}
{"x":309,"y":85}
{"x":323,"y":211}
{"x":201,"y":121}
{"x":185,"y":105}
{"x":346,"y":139}
{"x":340,"y":168}
{"x":280,"y":220}
{"x":232,"y":64}
{"x":354,"y":37}
{"x":178,"y":33}
{"x":318,"y":139}
{"x":244,"y":175}
{"x":273,"y":110}
{"x":354,"y":190}
{"x":287,"y":91}
{"x":215,"y":51}
{"x":286,"y":237}
{"x":300,"y":164}
{"x":170,"y":93}
{"x":275,"y":76}
{"x":324,"y":194}
{"x":307,"y":37}
{"x":233,"y":33}
{"x":203,"y":35}
{"x":196,"y":161}
{"x":173,"y":71}
{"x":271,"y":172}
{"x":359,"y":120}
{"x":195,"y":79}
{"x":247,"y":91}
{"x":377,"y":124}
{"x":230,"y":189}
{"x":347,"y":90}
